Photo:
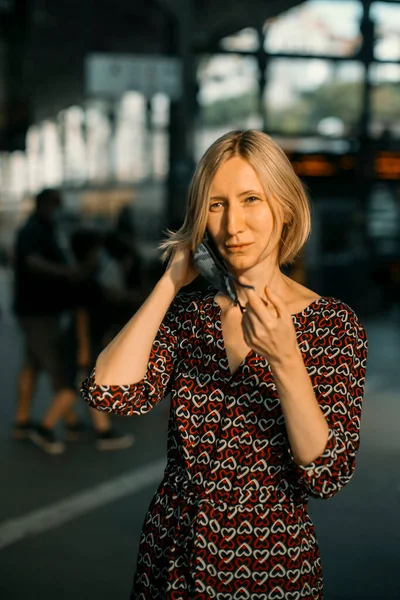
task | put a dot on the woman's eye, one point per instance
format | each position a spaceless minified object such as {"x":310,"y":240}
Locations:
{"x":251,"y":199}
{"x":215,"y":205}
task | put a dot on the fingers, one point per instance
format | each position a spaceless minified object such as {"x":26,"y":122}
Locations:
{"x":253,"y":298}
{"x":258,"y":303}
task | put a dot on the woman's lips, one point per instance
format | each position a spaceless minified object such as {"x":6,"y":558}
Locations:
{"x":237,"y":247}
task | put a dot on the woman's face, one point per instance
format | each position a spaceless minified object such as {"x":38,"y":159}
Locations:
{"x":239,"y":217}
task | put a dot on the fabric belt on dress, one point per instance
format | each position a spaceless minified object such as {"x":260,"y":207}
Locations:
{"x":273,"y":493}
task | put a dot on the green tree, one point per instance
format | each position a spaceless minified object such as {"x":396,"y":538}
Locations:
{"x":335,"y":99}
{"x":386,"y":102}
{"x":228,"y":110}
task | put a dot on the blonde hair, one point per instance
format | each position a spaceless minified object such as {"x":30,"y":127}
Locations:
{"x":284,"y":190}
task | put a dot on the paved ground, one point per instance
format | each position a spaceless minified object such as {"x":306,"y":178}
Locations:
{"x":70,"y":525}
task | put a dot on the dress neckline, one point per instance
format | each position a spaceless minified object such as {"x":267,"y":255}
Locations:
{"x":303,"y":312}
{"x":307,"y":310}
{"x":310,"y":306}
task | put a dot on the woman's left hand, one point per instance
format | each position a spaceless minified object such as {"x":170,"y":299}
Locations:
{"x":268,"y":327}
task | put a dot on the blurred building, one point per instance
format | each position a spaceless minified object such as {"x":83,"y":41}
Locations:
{"x":114,"y":102}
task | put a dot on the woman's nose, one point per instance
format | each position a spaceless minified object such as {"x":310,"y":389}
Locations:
{"x":234,"y":220}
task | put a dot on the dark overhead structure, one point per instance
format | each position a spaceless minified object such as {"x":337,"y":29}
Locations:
{"x":44,"y":49}
{"x":45,"y":43}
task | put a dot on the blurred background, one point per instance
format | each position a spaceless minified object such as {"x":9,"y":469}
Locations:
{"x":112,"y":103}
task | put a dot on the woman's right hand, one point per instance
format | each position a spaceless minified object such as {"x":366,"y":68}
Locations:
{"x":181,"y":269}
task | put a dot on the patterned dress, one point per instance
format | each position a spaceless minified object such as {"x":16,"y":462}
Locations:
{"x":229,"y":520}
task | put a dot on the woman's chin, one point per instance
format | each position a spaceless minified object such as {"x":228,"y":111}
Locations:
{"x":239,"y":265}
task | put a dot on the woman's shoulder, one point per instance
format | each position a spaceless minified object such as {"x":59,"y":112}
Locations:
{"x":304,"y":300}
{"x":334,"y":312}
{"x":336,"y":305}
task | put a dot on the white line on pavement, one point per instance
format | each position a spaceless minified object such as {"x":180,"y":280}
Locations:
{"x":52,"y":516}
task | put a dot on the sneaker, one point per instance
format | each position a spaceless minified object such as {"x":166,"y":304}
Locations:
{"x":45,"y":439}
{"x":21,"y":431}
{"x":78,"y":433}
{"x":113,"y":440}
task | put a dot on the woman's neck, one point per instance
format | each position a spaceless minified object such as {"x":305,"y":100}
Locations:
{"x":273,"y":279}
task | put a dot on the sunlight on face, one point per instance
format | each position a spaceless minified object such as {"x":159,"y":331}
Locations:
{"x":240,"y":220}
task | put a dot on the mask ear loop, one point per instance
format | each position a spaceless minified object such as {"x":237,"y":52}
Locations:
{"x":243,"y":285}
{"x":221,"y":263}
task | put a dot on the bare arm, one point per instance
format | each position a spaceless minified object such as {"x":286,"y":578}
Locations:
{"x":340,"y":401}
{"x":124,"y":361}
{"x":322,"y":415}
{"x":269,"y":330}
{"x":306,"y":426}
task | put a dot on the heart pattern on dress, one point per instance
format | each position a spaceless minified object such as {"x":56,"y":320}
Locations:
{"x":229,"y":521}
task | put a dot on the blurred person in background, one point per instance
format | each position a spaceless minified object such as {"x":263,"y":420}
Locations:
{"x":44,"y":285}
{"x":121,"y":276}
{"x":125,"y":227}
{"x":266,"y":385}
{"x":88,"y":331}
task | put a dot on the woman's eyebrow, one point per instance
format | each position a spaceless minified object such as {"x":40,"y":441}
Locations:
{"x":241,"y":194}
{"x":251,"y":192}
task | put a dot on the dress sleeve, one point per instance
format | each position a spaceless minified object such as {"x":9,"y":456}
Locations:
{"x":339,"y":387}
{"x":139,"y":398}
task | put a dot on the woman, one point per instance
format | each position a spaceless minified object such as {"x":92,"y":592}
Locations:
{"x":265,"y":405}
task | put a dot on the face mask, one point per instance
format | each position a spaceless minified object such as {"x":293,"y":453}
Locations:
{"x":211,"y":266}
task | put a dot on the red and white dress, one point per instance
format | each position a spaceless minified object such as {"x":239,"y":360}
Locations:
{"x":229,"y":520}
